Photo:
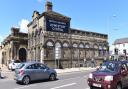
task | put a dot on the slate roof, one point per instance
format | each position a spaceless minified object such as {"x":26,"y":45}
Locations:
{"x":120,"y":41}
{"x":52,"y":14}
{"x":56,"y":14}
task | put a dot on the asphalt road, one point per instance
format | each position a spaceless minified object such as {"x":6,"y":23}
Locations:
{"x":75,"y":80}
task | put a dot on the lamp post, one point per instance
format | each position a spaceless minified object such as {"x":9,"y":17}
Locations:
{"x":110,"y":29}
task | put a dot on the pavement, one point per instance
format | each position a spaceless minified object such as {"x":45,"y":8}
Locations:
{"x":8,"y":74}
{"x":69,"y":70}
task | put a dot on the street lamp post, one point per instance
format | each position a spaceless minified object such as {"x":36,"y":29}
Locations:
{"x":110,"y":29}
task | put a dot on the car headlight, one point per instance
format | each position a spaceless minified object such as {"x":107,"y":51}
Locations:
{"x":90,"y":75}
{"x":108,"y":78}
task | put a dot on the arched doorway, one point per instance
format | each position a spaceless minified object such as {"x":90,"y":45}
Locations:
{"x":22,"y":54}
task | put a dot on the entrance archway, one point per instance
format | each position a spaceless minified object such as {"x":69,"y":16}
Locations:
{"x":22,"y":54}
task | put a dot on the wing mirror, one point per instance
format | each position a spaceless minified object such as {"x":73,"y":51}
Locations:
{"x":123,"y":71}
{"x":99,"y":66}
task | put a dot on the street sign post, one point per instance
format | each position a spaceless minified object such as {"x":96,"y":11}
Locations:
{"x":57,"y":56}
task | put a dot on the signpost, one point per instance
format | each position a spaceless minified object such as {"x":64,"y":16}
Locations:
{"x":57,"y":56}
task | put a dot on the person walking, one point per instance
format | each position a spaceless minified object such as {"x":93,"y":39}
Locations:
{"x":85,"y":62}
{"x":92,"y":62}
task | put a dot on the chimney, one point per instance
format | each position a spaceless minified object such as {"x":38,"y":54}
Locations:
{"x":48,"y":6}
{"x":15,"y":30}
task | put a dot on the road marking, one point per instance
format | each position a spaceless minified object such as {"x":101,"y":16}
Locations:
{"x":71,"y":78}
{"x":25,"y":86}
{"x":64,"y":86}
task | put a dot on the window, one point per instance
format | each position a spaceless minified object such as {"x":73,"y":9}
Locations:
{"x":20,"y":66}
{"x":42,"y":66}
{"x":31,"y":66}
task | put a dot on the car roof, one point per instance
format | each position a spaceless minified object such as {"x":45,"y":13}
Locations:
{"x":118,"y":62}
{"x":30,"y":62}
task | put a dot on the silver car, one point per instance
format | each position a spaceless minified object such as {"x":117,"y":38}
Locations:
{"x":30,"y":71}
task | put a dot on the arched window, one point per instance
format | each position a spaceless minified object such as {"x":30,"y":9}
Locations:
{"x":49,"y":43}
{"x":57,"y":44}
{"x":95,"y":46}
{"x":75,"y":45}
{"x":81,"y":45}
{"x":65,"y":44}
{"x":87,"y":45}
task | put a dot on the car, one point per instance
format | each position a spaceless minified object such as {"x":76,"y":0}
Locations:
{"x":13,"y":64}
{"x":110,"y":75}
{"x":33,"y":71}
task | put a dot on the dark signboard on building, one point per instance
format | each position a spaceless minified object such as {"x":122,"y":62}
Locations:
{"x":56,"y":25}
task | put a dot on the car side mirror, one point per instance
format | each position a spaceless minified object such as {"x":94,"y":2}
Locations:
{"x":45,"y":69}
{"x":123,"y":71}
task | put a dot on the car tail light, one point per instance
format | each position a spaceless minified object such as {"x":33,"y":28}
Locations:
{"x":21,"y":72}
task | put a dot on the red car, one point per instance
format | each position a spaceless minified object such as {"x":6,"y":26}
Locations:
{"x":110,"y":75}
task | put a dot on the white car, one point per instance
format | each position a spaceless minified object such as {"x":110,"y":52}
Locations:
{"x":13,"y":64}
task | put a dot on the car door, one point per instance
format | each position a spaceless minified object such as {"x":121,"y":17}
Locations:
{"x":31,"y":71}
{"x":43,"y":71}
{"x":124,"y":74}
{"x":37,"y":71}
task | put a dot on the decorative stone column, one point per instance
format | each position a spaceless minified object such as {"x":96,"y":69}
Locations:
{"x":12,"y":51}
{"x":42,"y":55}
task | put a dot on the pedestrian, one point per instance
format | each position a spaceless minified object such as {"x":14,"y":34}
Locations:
{"x":105,"y":60}
{"x":85,"y":62}
{"x":92,"y":62}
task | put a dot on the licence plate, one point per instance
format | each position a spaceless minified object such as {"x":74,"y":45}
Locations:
{"x":96,"y":85}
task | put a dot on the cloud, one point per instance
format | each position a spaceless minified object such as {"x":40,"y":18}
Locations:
{"x":23,"y":25}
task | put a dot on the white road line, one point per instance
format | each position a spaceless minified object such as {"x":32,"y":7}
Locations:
{"x":73,"y":78}
{"x":63,"y":86}
{"x":25,"y":86}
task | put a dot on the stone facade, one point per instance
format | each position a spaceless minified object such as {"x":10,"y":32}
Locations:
{"x":53,"y":42}
{"x":0,"y":54}
{"x":14,"y":47}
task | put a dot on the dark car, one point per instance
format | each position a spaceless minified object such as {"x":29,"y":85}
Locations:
{"x":110,"y":75}
{"x":31,"y":71}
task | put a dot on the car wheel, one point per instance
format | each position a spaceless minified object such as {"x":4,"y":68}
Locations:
{"x":52,"y":77}
{"x":26,"y":80}
{"x":118,"y":86}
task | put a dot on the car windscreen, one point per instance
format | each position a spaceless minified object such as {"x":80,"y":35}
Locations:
{"x":109,"y":66}
{"x":20,"y":66}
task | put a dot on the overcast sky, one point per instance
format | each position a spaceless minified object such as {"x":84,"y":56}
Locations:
{"x":103,"y":16}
